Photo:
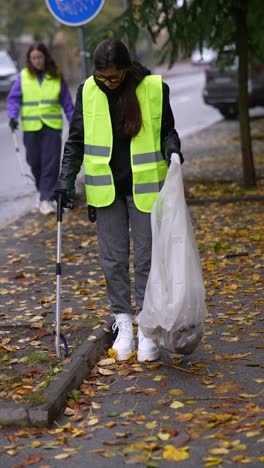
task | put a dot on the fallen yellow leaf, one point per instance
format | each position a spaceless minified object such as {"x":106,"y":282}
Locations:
{"x":175,"y":391}
{"x":151,"y":425}
{"x":69,"y":411}
{"x":35,"y":443}
{"x":105,"y":371}
{"x":164,"y":435}
{"x":63,"y":456}
{"x":154,"y":366}
{"x":93,"y":422}
{"x":110,"y":424}
{"x":112,"y":353}
{"x":184,"y":417}
{"x":210,"y":461}
{"x":78,"y":433}
{"x":159,"y":377}
{"x":252,"y":433}
{"x":172,"y":453}
{"x":177,"y":404}
{"x":219,"y":451}
{"x":106,"y":362}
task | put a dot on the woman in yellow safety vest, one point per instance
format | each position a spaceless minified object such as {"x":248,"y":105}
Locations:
{"x":123,"y":131}
{"x":39,"y":94}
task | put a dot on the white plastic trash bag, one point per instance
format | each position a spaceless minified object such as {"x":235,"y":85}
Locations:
{"x":174,"y":307}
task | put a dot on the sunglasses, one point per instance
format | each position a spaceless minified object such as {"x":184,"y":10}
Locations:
{"x":103,"y":79}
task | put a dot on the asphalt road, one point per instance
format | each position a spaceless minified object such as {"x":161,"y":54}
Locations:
{"x":190,"y":112}
{"x":17,"y":190}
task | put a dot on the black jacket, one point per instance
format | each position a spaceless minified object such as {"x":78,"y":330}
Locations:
{"x":120,"y":159}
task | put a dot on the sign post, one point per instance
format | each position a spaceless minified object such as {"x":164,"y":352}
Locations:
{"x":83,"y":54}
{"x":76,"y":13}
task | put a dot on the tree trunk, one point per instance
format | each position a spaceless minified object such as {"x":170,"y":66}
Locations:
{"x":131,"y":41}
{"x":249,"y":175}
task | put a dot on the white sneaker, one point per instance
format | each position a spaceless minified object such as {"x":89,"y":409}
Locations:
{"x":124,"y":343}
{"x":148,"y":350}
{"x":45,"y":207}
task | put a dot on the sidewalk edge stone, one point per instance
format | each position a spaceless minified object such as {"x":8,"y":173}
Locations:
{"x":83,"y":360}
{"x":201,"y":201}
{"x":12,"y":413}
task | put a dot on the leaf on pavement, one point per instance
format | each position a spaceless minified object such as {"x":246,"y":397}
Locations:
{"x":210,"y":461}
{"x":106,"y":362}
{"x":103,"y":371}
{"x":92,"y":421}
{"x":30,"y":460}
{"x":63,"y":456}
{"x":172,"y":453}
{"x":177,"y":404}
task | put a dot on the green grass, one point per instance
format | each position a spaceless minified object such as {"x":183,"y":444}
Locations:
{"x":75,"y":395}
{"x":35,"y":398}
{"x":36,"y":357}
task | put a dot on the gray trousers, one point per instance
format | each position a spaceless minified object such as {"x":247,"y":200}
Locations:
{"x":113,"y":236}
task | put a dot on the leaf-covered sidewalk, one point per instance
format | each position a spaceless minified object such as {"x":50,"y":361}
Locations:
{"x":198,"y":411}
{"x":28,"y":291}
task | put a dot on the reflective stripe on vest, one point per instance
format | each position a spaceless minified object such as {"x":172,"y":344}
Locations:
{"x":98,"y":180}
{"x":149,"y":169}
{"x":40,"y":102}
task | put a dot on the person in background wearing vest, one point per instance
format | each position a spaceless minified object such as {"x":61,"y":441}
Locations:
{"x":38,"y":95}
{"x":123,"y":131}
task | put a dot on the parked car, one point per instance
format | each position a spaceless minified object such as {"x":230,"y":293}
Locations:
{"x":8,"y":72}
{"x":204,"y":56}
{"x":221,"y":87}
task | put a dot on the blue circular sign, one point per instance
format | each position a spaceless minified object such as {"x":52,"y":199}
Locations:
{"x":74,"y":12}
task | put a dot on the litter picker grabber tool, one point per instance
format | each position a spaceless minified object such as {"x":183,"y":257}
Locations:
{"x":18,"y":155}
{"x":59,"y":337}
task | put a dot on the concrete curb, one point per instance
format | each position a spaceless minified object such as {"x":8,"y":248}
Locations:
{"x":202,"y":201}
{"x":72,"y":375}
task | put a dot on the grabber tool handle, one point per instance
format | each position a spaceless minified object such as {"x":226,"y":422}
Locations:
{"x":18,"y":152}
{"x":59,"y":208}
{"x":59,"y":338}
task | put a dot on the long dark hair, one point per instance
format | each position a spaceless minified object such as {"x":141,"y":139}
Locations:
{"x":50,"y":65}
{"x":113,"y":52}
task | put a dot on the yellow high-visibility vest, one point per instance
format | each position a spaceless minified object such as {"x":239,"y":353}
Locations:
{"x":149,"y":169}
{"x":40,"y":102}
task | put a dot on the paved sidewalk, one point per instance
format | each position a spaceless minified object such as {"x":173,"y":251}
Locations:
{"x":28,"y":309}
{"x":208,"y":405}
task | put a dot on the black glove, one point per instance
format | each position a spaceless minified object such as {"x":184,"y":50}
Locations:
{"x":169,"y":151}
{"x":66,"y":202}
{"x":13,"y":124}
{"x":91,"y":214}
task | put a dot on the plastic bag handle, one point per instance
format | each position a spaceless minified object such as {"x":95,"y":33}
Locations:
{"x":176,"y":158}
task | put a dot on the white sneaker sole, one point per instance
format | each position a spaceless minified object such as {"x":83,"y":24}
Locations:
{"x":145,"y":356}
{"x":124,"y":356}
{"x":46,"y":213}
